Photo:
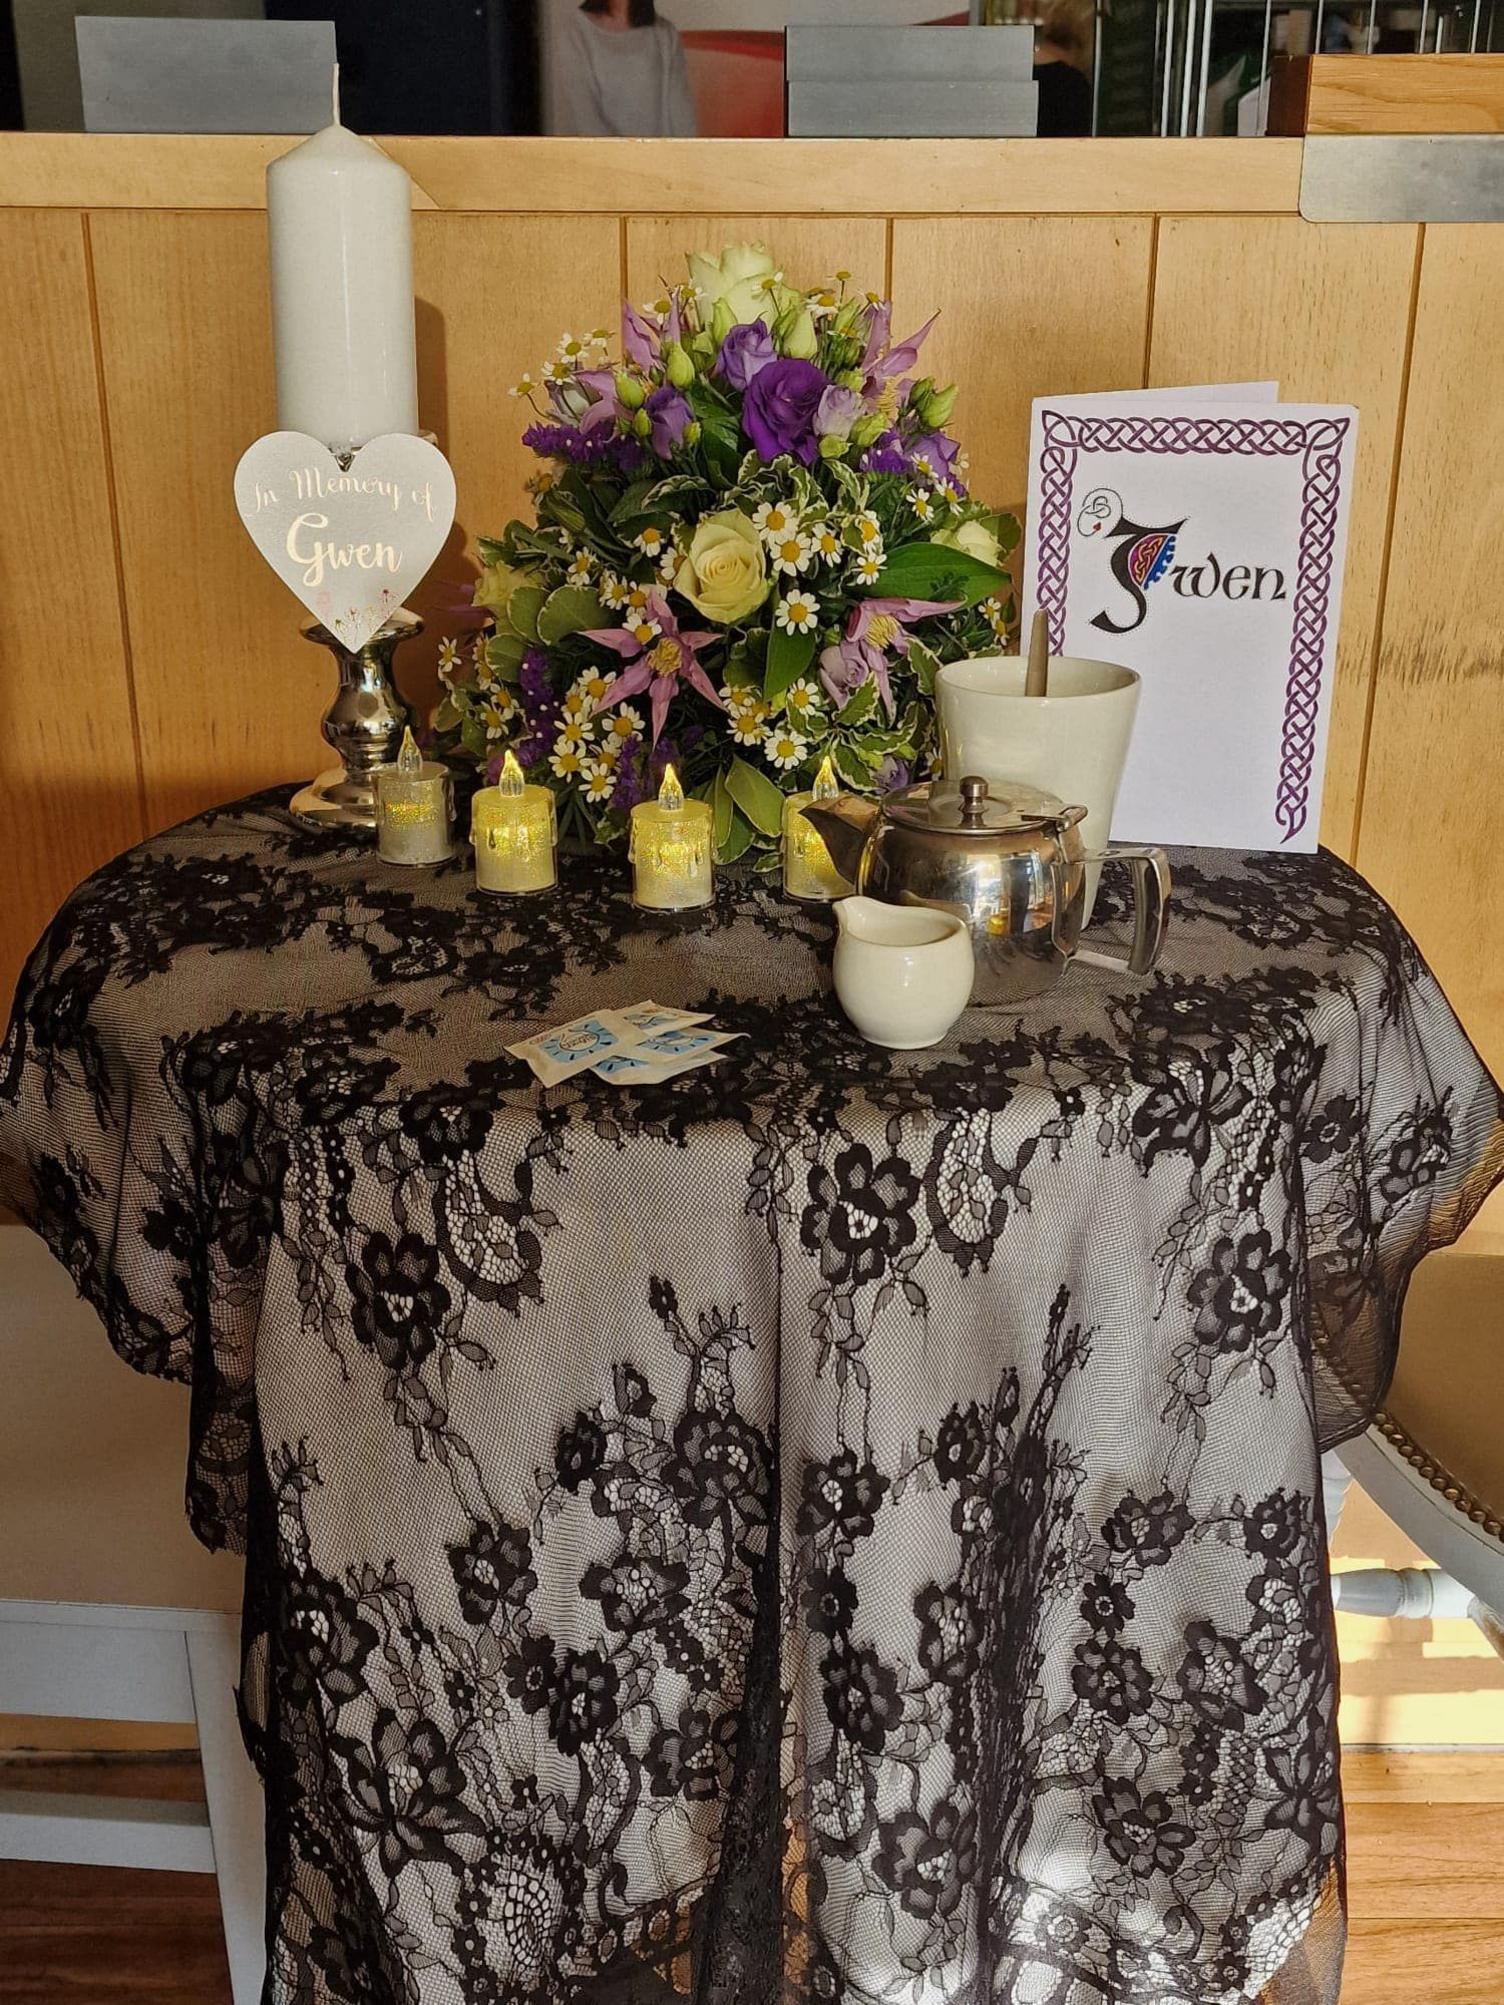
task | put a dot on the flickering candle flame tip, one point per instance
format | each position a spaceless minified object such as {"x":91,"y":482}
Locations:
{"x":670,"y":793}
{"x":409,"y":759}
{"x":509,"y":780}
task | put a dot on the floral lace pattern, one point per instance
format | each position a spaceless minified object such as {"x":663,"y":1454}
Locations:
{"x":838,"y":1526}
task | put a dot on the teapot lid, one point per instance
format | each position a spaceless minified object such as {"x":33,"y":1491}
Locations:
{"x":978,"y":806}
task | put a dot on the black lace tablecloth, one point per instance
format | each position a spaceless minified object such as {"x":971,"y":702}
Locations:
{"x":839,"y":1526}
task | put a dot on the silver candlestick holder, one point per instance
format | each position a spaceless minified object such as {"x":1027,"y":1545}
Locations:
{"x":364,"y":724}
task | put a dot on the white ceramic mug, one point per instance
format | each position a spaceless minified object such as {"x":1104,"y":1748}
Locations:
{"x":1072,"y":743}
{"x":903,"y":972}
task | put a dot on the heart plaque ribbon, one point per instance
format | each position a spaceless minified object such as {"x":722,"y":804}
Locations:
{"x":351,"y":541}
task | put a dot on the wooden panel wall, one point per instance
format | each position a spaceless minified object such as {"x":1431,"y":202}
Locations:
{"x":69,"y":780}
{"x":150,"y":664}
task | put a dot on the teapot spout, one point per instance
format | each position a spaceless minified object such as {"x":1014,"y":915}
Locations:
{"x":845,"y":825}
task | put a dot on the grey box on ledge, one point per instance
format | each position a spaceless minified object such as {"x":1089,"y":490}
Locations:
{"x":913,"y":55}
{"x":931,"y":109}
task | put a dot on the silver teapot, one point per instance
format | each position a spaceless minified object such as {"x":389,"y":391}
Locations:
{"x":1009,"y":861}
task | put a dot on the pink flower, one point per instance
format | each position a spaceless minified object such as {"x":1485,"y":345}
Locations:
{"x":656,"y":661}
{"x":880,"y":363}
{"x":875,"y":627}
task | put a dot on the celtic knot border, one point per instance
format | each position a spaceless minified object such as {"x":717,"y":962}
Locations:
{"x":1318,"y":443}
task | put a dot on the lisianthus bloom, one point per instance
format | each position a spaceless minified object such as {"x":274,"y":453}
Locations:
{"x":876,"y":627}
{"x":746,"y":351}
{"x":670,"y":416}
{"x":838,"y":410}
{"x":658,"y":653}
{"x":778,"y":413}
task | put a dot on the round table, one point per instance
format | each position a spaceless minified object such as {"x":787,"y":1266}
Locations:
{"x":836,"y":1525}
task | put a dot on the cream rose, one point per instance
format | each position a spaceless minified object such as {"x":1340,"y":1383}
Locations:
{"x":725,"y":569}
{"x":975,"y":538}
{"x":738,"y":277}
{"x":496,"y":584}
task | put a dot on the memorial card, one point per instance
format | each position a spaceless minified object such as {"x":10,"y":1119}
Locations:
{"x":1199,"y":540}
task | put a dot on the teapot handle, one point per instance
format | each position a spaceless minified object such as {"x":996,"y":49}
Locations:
{"x":1151,"y":909}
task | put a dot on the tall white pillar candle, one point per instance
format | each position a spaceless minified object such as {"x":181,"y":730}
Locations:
{"x":339,"y":212}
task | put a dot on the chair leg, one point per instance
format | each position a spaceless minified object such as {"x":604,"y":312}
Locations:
{"x":237,"y":1816}
{"x":1335,"y":1484}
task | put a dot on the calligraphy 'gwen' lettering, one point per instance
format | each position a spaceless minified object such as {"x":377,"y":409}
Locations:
{"x":319,"y":557}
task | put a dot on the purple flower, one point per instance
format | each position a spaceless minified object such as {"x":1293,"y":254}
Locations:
{"x":892,"y":773}
{"x":630,"y":787}
{"x":875,"y":626}
{"x":669,"y":414}
{"x":778,"y":414}
{"x":745,"y":353}
{"x":838,"y":411}
{"x":938,"y":451}
{"x":641,"y":337}
{"x":885,"y":455}
{"x":658,"y":655}
{"x":600,"y":448}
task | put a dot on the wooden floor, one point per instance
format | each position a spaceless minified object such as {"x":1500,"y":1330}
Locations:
{"x":1425,"y":1893}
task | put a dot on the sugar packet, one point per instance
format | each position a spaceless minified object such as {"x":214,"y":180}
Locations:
{"x":650,"y":1016}
{"x":665,"y":1056}
{"x":569,"y":1047}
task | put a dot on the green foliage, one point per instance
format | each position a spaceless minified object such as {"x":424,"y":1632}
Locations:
{"x":789,"y":657}
{"x":757,"y":797}
{"x":932,"y":571}
{"x":523,"y":608}
{"x":569,"y":611}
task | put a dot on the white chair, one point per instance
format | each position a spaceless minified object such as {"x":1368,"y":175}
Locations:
{"x":109,"y":1609}
{"x":1433,"y":1460}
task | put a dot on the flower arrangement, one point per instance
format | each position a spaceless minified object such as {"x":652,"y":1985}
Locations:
{"x":753,"y":548}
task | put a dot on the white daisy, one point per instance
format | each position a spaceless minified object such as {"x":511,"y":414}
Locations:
{"x":668,"y":564}
{"x":567,"y":760}
{"x":923,"y":503}
{"x":600,"y":781}
{"x":580,"y":349}
{"x":623,"y":723}
{"x":612,"y":591}
{"x":643,"y":630}
{"x":449,"y":660}
{"x":747,"y":724}
{"x":784,"y":748}
{"x":774,"y":519}
{"x":652,"y":541}
{"x":869,"y":566}
{"x":826,"y":543}
{"x":496,"y":713}
{"x":797,"y":613}
{"x":866,"y":531}
{"x":592,"y":686}
{"x":636,"y":599}
{"x":580,"y":567}
{"x":801,"y":699}
{"x":576,"y":731}
{"x":997,"y":616}
{"x":554,"y":371}
{"x":523,"y":387}
{"x":792,"y":553}
{"x":922,"y":465}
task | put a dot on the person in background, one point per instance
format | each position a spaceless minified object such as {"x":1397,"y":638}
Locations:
{"x":1062,"y":61}
{"x":616,"y":68}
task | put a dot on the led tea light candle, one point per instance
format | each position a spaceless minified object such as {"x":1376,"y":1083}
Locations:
{"x":671,"y":847}
{"x":413,"y":808}
{"x":808,"y":871}
{"x":514,"y":830}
